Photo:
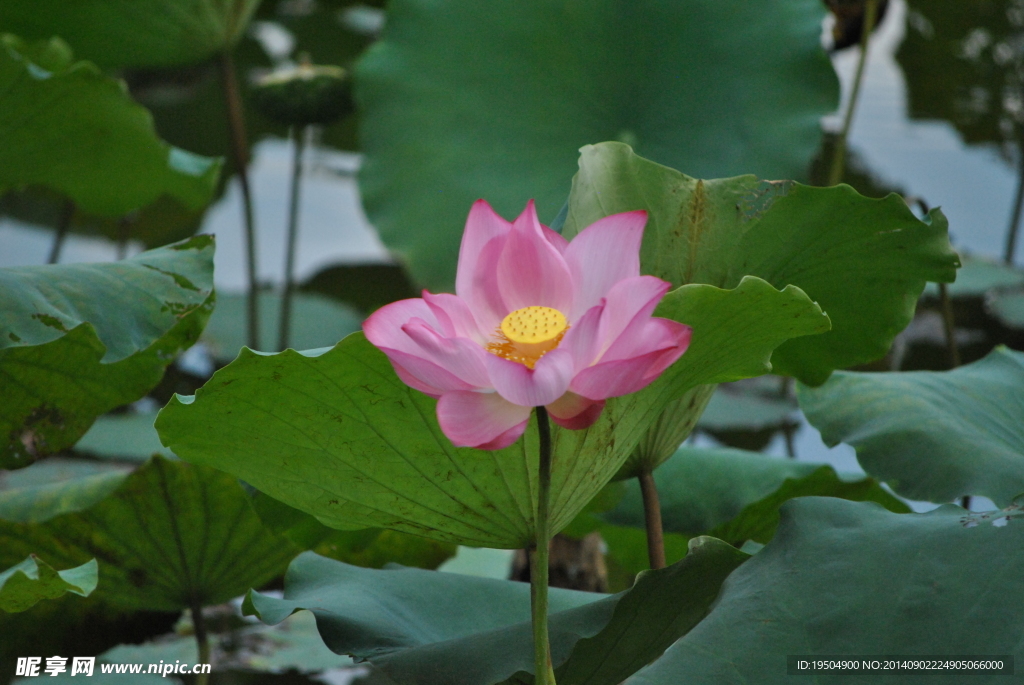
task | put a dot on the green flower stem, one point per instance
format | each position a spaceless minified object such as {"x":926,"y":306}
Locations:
{"x":1018,"y":204}
{"x":202,"y":640}
{"x":63,"y":224}
{"x":839,"y":158}
{"x":240,"y":157}
{"x":298,"y":135}
{"x":545,"y":675}
{"x":652,"y":518}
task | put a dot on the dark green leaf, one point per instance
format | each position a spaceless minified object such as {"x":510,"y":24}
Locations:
{"x":463,"y":100}
{"x":849,"y":578}
{"x":69,"y":128}
{"x":424,"y":628}
{"x":931,"y":435}
{"x":134,"y":33}
{"x":166,"y":536}
{"x":864,"y":261}
{"x":24,"y":585}
{"x":735,"y":495}
{"x":371,"y":547}
{"x":339,"y":436}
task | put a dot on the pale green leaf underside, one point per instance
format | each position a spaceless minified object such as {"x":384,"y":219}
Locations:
{"x":24,"y":585}
{"x":339,"y":436}
{"x":932,"y":435}
{"x":67,"y":127}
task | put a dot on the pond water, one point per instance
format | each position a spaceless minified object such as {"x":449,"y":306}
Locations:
{"x":974,"y":185}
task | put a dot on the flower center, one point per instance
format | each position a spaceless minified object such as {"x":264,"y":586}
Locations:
{"x":527,"y":334}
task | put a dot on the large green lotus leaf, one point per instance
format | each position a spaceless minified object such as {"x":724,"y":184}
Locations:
{"x":849,"y":578}
{"x":423,"y":628}
{"x":24,"y":585}
{"x":931,"y":435}
{"x":133,"y":33}
{"x":864,"y":261}
{"x":79,"y":340}
{"x":463,"y":100}
{"x":337,"y":435}
{"x":735,"y":495}
{"x":69,"y":128}
{"x":167,"y":536}
{"x":131,"y":303}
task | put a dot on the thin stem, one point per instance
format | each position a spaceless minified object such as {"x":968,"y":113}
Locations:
{"x":63,"y":224}
{"x":124,"y":229}
{"x":1018,"y":204}
{"x":240,"y":157}
{"x":202,"y":640}
{"x":788,"y":432}
{"x":839,"y":157}
{"x":949,"y":325}
{"x":299,"y":141}
{"x":545,"y":674}
{"x":652,"y":518}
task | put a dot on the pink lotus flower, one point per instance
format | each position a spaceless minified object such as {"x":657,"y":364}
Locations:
{"x":536,"y":321}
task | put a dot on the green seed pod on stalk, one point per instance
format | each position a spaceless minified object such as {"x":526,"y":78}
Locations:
{"x":306,"y":94}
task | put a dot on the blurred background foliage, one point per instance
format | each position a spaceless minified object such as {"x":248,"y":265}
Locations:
{"x":454,"y":101}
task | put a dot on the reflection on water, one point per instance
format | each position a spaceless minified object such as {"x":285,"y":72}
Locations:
{"x":974,"y":185}
{"x":333,"y":228}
